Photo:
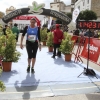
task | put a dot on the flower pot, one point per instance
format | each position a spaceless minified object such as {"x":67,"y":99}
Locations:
{"x":6,"y":66}
{"x":50,"y":49}
{"x":44,"y":43}
{"x":68,"y":57}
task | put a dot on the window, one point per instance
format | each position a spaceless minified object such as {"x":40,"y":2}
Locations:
{"x":57,"y":5}
{"x":88,"y":1}
{"x":79,"y":7}
{"x":83,"y":3}
{"x":51,"y":6}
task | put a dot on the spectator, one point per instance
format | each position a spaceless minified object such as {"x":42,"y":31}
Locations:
{"x":96,"y":34}
{"x":76,"y":32}
{"x":4,"y":29}
{"x":15,"y":31}
{"x":57,"y":39}
{"x":89,"y":33}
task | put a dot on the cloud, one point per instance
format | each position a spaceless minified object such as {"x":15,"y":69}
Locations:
{"x":4,"y":4}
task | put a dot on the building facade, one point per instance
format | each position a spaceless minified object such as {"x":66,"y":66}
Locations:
{"x":1,"y":16}
{"x":60,"y":6}
{"x":93,"y":5}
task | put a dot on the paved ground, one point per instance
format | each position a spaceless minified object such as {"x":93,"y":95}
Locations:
{"x":93,"y":88}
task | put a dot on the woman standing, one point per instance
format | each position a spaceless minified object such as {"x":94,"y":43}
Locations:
{"x":32,"y":43}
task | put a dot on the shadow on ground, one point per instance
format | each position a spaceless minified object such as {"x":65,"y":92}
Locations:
{"x":26,"y":90}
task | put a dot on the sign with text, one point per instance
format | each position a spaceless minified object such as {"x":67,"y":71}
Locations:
{"x":88,"y":25}
{"x":36,"y":9}
{"x":94,"y":51}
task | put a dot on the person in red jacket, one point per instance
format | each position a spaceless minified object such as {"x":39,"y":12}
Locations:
{"x":57,"y":39}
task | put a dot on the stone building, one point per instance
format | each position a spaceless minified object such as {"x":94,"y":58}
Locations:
{"x":1,"y":16}
{"x":60,"y":6}
{"x":10,"y":9}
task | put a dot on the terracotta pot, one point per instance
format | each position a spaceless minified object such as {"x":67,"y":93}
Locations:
{"x":44,"y":43}
{"x":50,"y":49}
{"x":7,"y":66}
{"x":68,"y":57}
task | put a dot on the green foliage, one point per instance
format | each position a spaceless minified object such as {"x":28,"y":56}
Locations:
{"x":87,"y":15}
{"x":2,"y":86}
{"x":65,"y":34}
{"x":1,"y":30}
{"x":8,"y":31}
{"x":66,"y":46}
{"x":58,"y":21}
{"x":69,"y":15}
{"x":43,"y":34}
{"x":50,"y":39}
{"x":8,"y":48}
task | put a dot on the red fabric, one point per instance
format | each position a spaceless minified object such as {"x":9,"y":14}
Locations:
{"x":57,"y":25}
{"x":58,"y":35}
{"x":52,"y":30}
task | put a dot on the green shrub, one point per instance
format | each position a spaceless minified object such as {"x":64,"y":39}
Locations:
{"x":43,"y":34}
{"x":50,"y":39}
{"x":67,"y":44}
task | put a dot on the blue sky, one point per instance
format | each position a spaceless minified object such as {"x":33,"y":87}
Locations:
{"x":25,"y":3}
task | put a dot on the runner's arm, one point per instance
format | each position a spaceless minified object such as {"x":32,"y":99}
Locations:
{"x":39,"y":37}
{"x":23,"y":34}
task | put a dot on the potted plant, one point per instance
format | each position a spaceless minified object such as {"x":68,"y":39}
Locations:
{"x":66,"y":47}
{"x":2,"y":86}
{"x":1,"y":28}
{"x":8,"y":51}
{"x":50,"y":41}
{"x":65,"y":34}
{"x":43,"y":34}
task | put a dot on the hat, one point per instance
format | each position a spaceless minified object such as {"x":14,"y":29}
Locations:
{"x":57,"y":26}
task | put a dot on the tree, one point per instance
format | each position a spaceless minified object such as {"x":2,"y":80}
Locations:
{"x":58,"y":21}
{"x":87,"y":15}
{"x":69,"y":15}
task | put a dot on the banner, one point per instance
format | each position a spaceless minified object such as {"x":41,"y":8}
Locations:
{"x":49,"y":22}
{"x":74,"y":38}
{"x":94,"y":51}
{"x":75,"y":15}
{"x":25,"y":18}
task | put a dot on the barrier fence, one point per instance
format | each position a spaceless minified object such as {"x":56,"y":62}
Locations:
{"x":82,"y":49}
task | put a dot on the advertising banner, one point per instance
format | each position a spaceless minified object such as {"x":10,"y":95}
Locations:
{"x":94,"y":50}
{"x":74,"y":38}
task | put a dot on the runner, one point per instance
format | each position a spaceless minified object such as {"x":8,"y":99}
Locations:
{"x":32,"y":43}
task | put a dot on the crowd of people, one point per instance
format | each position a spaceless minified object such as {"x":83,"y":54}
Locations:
{"x":87,"y":32}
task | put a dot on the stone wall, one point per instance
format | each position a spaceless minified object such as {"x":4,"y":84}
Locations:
{"x":95,"y":6}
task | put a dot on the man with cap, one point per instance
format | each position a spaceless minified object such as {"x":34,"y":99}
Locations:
{"x":57,"y":39}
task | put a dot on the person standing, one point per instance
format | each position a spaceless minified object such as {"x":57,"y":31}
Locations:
{"x":57,"y":39}
{"x":15,"y":31}
{"x":33,"y":40}
{"x":4,"y":30}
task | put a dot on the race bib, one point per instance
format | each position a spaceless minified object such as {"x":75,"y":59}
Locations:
{"x":32,"y":38}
